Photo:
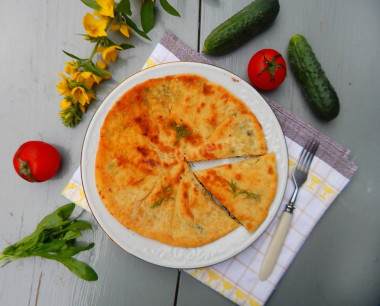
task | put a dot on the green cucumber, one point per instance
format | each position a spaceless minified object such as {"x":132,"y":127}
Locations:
{"x":241,"y":27}
{"x":316,"y":87}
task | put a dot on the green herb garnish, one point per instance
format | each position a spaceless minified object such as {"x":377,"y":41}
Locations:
{"x":180,"y":131}
{"x":54,"y":239}
{"x":165,"y":195}
{"x":250,"y":195}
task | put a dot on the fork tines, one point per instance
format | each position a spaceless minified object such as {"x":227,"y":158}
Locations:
{"x":307,"y":155}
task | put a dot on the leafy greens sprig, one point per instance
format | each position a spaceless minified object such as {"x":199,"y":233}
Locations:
{"x":250,"y":195}
{"x":54,"y":238}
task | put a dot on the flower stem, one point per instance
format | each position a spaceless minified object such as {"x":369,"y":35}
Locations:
{"x":98,"y":42}
{"x":94,"y":51}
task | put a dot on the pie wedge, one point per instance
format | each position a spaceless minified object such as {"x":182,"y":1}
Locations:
{"x":246,"y":188}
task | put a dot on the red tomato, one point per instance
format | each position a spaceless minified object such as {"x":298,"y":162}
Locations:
{"x":36,"y":161}
{"x":267,"y":69}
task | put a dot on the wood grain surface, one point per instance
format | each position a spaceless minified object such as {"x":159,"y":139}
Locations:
{"x":339,"y":263}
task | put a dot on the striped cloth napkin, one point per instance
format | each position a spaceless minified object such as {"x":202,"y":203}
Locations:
{"x":237,"y":278}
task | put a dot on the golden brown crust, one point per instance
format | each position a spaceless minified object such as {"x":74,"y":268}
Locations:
{"x":141,"y":160}
{"x":246,"y":188}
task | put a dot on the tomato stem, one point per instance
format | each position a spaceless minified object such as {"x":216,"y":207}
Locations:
{"x":271,"y":66}
{"x":25,"y":170}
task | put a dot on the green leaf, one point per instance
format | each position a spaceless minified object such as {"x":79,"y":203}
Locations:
{"x":54,"y":239}
{"x":90,"y":38}
{"x":8,"y":250}
{"x":73,"y":250}
{"x":50,"y":221}
{"x":126,"y":46}
{"x":124,"y":7}
{"x":53,"y":246}
{"x":106,"y":42}
{"x":72,"y":235}
{"x":65,"y":211}
{"x":92,"y":4}
{"x":5,"y":259}
{"x":54,"y":233}
{"x":147,"y":15}
{"x":71,"y":55}
{"x":168,"y":8}
{"x":56,"y":218}
{"x":43,"y":230}
{"x":19,"y":249}
{"x":79,"y":226}
{"x":90,"y":66}
{"x":25,"y":243}
{"x":134,"y":27}
{"x":77,"y":267}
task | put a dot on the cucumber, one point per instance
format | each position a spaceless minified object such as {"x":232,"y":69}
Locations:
{"x":316,"y":87}
{"x":241,"y":27}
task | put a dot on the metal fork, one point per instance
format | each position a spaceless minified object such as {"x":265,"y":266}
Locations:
{"x":300,"y":173}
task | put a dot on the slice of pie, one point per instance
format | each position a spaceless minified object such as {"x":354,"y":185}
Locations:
{"x":246,"y":188}
{"x":221,"y":125}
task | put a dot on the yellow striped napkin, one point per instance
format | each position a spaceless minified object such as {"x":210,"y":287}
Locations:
{"x":237,"y":278}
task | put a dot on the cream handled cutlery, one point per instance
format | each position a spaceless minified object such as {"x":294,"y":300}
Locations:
{"x":299,"y":177}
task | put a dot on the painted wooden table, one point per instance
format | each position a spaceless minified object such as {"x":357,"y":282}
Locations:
{"x":340,"y":262}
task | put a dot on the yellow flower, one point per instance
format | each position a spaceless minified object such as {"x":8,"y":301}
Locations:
{"x":101,"y":64}
{"x":87,"y":78}
{"x":89,"y":75}
{"x":100,"y":49}
{"x":94,"y":27}
{"x":114,"y":26}
{"x":65,"y":104}
{"x":122,"y":27}
{"x":81,"y":77}
{"x":71,"y":67}
{"x":110,"y":53}
{"x":80,"y":95}
{"x":63,"y":86}
{"x":67,"y":116}
{"x":82,"y":108}
{"x":107,"y":7}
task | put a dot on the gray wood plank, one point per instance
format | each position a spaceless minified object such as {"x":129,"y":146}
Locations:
{"x":34,"y":33}
{"x":339,"y":262}
{"x":193,"y":292}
